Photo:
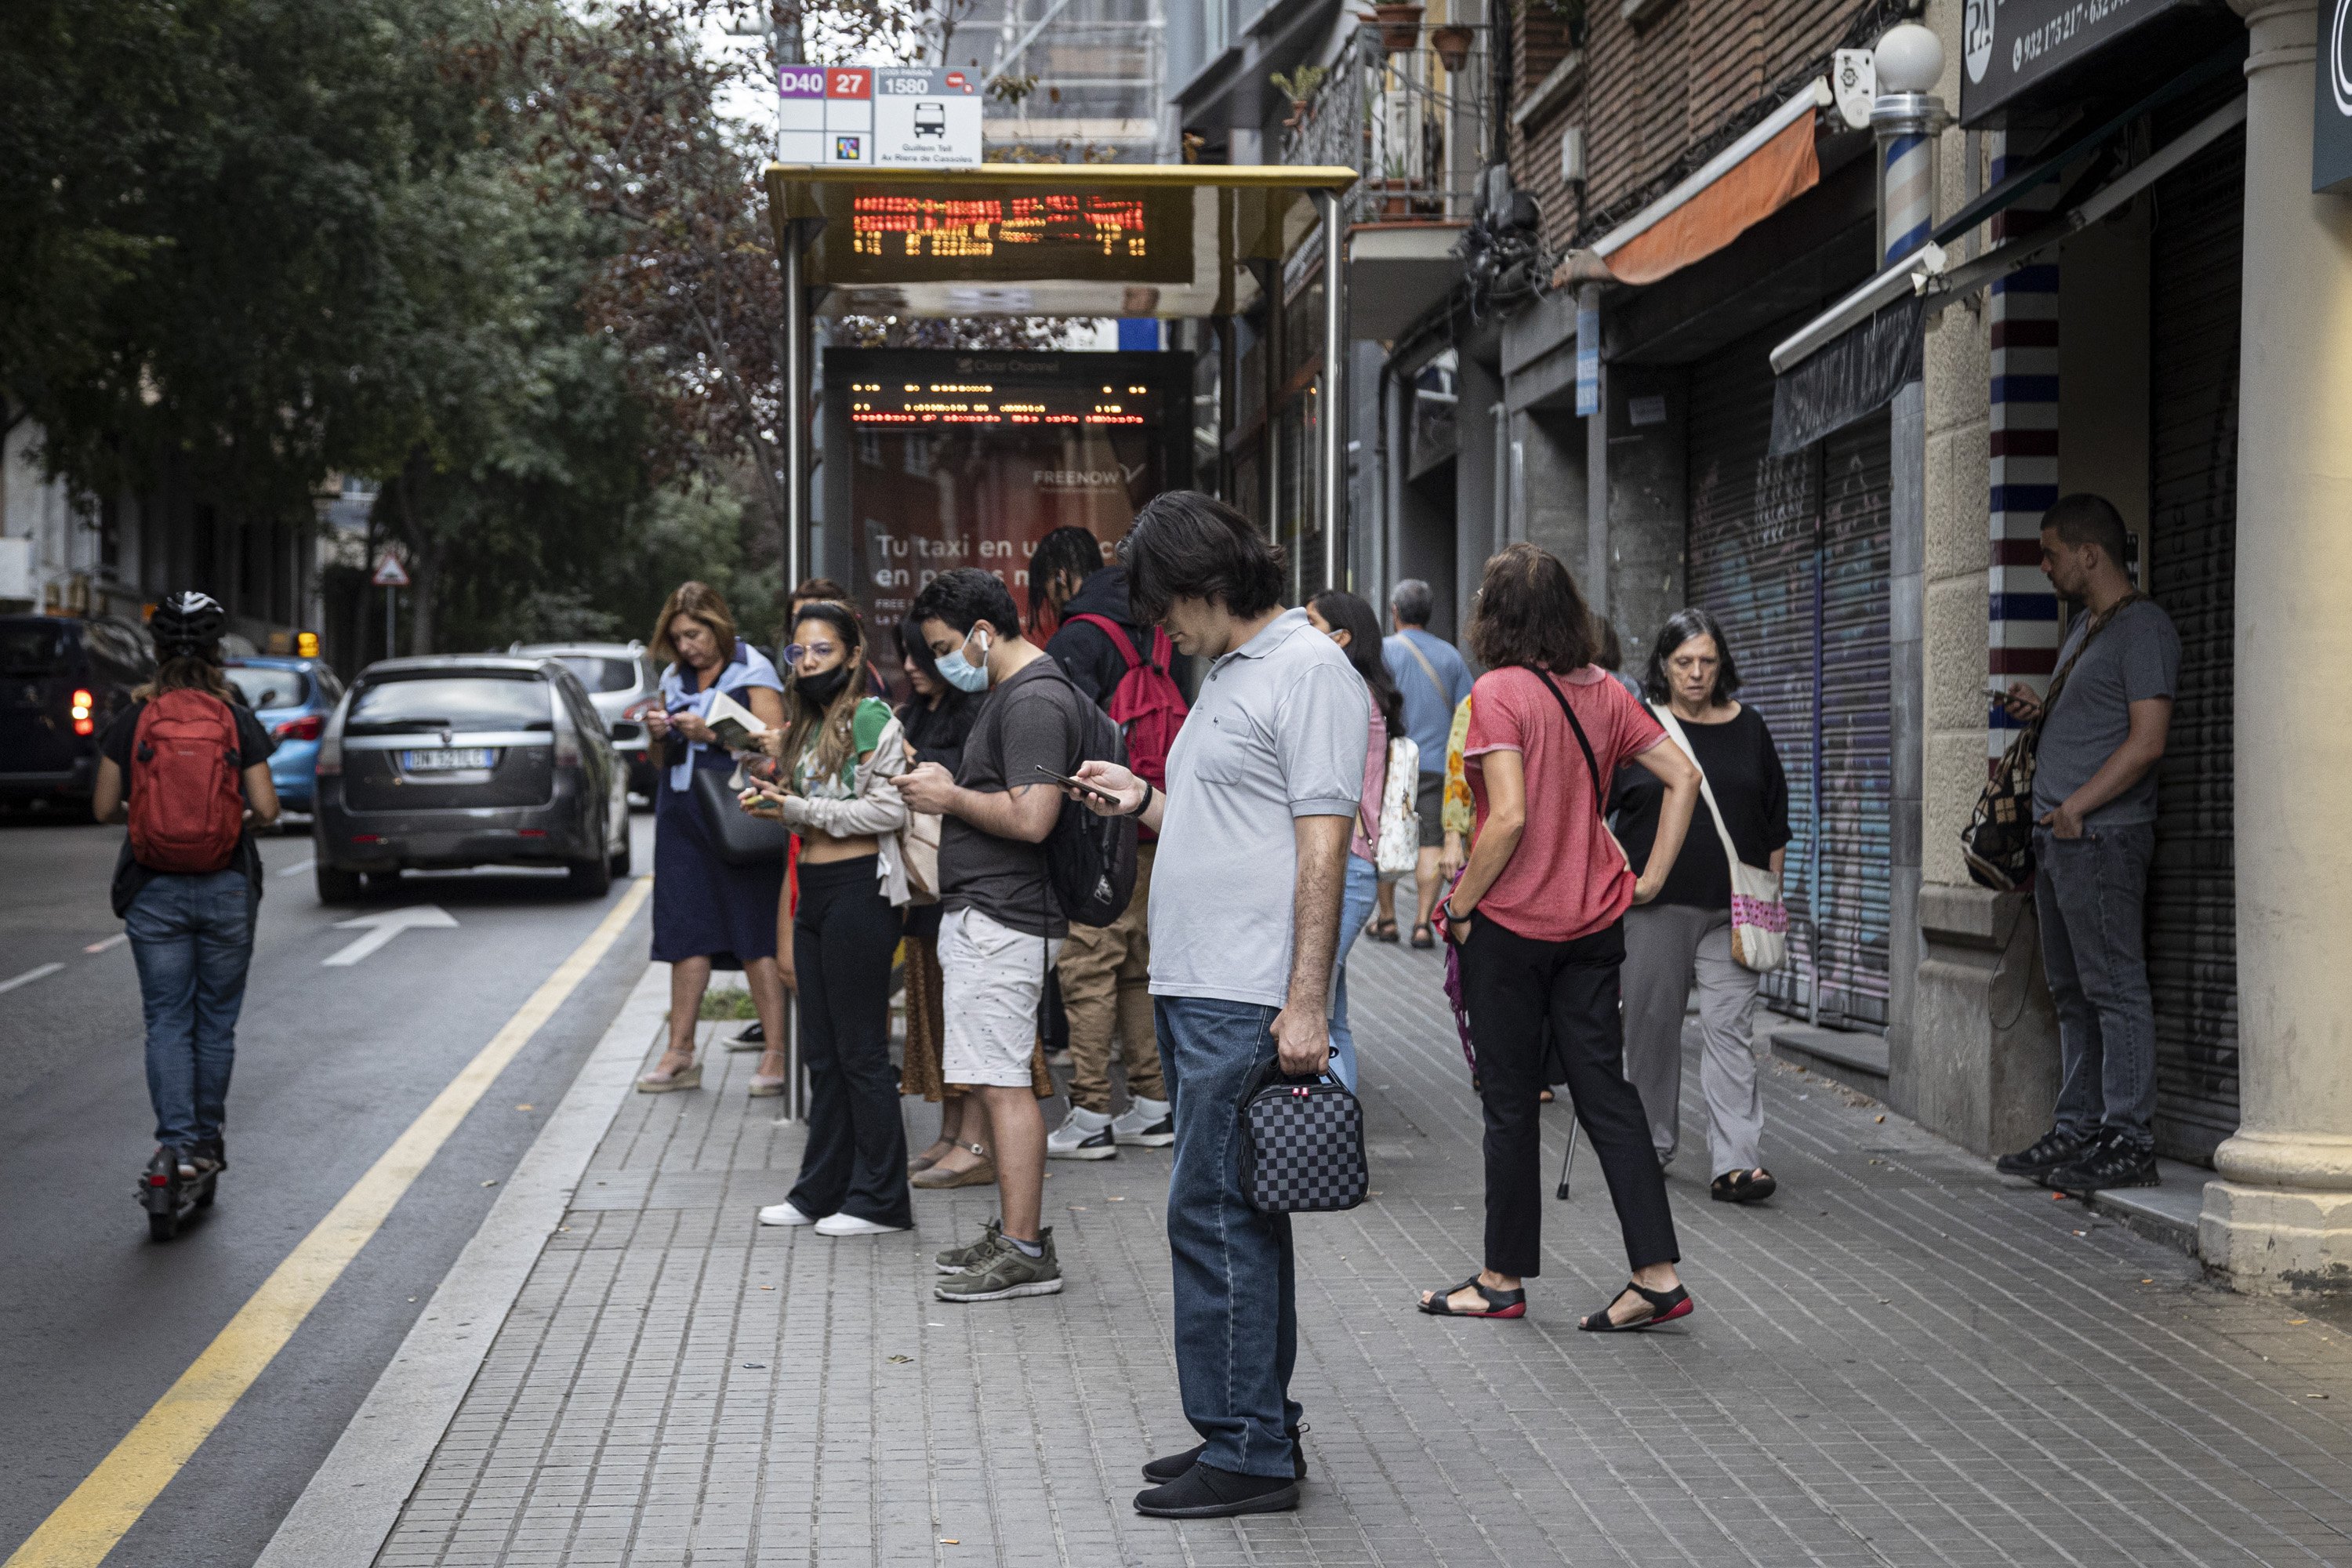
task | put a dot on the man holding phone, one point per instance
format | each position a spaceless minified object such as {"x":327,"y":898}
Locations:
{"x":1002,"y":926}
{"x":1263,"y":784}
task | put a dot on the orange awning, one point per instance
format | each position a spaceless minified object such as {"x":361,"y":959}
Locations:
{"x":1764,"y":171}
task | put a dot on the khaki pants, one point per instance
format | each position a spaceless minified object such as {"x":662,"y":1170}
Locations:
{"x":1106,"y":973}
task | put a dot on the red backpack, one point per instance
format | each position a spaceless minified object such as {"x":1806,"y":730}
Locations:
{"x":187,"y":808}
{"x":1146,"y":706}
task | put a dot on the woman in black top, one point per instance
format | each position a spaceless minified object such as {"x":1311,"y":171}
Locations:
{"x":937,"y":719}
{"x":1686,"y":934}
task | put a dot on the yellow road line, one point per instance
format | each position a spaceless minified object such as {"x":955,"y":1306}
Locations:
{"x":109,"y":1501}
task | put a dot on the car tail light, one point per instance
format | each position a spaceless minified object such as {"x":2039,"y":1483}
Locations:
{"x":307,"y":728}
{"x":530,"y":832}
{"x":367,"y":838}
{"x":83,"y":724}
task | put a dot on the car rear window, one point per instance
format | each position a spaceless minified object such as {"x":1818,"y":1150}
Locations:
{"x":266,"y":688}
{"x":28,"y":647}
{"x":601,"y":674}
{"x":475,"y":701}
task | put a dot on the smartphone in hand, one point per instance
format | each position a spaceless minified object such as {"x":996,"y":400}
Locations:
{"x":1067,"y":781}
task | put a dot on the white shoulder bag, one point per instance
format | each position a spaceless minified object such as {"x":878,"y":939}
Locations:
{"x":1759,"y":921}
{"x":1397,"y":845}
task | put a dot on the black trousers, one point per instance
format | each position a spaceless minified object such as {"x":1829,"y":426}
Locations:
{"x":1513,"y":986}
{"x":844,"y":931}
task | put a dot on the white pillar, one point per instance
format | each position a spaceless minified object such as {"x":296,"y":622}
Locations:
{"x":2281,"y":1214}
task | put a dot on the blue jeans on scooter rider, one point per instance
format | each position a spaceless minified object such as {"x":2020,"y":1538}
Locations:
{"x":191,"y":931}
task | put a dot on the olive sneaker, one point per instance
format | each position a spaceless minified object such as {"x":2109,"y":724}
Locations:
{"x":956,"y":1259}
{"x":1005,"y":1271}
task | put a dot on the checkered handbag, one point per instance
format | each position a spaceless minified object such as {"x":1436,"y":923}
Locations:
{"x":1302,"y":1146}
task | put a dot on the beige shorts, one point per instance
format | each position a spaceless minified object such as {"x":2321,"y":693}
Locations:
{"x":991,"y":979}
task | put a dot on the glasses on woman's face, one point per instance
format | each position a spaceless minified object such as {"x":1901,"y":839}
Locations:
{"x":796,"y":652}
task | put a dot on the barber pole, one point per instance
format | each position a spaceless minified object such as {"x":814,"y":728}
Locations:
{"x":2021,"y":638}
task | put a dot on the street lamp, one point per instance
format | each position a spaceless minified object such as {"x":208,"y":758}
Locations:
{"x":1905,"y":118}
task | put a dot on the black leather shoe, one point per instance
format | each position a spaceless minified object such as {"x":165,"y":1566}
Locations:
{"x":2051,"y":1150}
{"x":2109,"y":1162}
{"x":1206,"y":1492}
{"x":1170,"y":1467}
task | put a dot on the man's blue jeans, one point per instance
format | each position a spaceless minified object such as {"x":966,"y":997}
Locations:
{"x":2091,"y":894}
{"x":192,"y":938}
{"x":1236,"y":1296}
{"x":1355,"y":908}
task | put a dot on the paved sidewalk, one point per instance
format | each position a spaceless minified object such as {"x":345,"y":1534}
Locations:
{"x":1903,"y":1360}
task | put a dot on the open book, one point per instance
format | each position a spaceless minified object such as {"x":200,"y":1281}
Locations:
{"x":737,"y":727}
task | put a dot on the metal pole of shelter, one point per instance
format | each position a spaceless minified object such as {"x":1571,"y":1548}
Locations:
{"x":796,"y":422}
{"x":1331,"y":504}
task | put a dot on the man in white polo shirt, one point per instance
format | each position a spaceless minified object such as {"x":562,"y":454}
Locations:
{"x":1262,"y":789}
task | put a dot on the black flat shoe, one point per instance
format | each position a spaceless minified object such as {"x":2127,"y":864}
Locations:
{"x":1168,"y":1467}
{"x":1743,"y":1186}
{"x":1665,"y":1306}
{"x":1206,"y":1492}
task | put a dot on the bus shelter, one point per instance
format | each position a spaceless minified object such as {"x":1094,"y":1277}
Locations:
{"x":1128,"y":240}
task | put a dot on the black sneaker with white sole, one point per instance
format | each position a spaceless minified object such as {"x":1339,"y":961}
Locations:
{"x":2110,"y":1162}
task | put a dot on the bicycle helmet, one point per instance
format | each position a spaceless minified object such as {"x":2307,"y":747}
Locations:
{"x":188,"y":625}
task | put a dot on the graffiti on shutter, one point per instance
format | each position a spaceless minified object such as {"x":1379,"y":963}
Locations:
{"x":1791,"y":555}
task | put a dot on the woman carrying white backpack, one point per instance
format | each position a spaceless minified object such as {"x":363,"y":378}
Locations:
{"x":1719,"y":921}
{"x":1387,"y":829}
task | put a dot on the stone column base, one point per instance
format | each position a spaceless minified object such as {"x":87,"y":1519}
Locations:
{"x":2277,"y":1238}
{"x":1979,"y":1063}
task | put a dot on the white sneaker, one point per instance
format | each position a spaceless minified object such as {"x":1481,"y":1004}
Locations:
{"x":1083,"y":1135}
{"x":784,"y":1214}
{"x":850,"y":1225}
{"x":1146,"y":1122}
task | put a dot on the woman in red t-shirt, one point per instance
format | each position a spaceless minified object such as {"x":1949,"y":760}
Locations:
{"x":1539,"y":917}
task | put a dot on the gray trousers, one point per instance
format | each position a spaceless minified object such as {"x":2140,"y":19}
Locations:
{"x":2091,"y":894}
{"x":1667,"y":948}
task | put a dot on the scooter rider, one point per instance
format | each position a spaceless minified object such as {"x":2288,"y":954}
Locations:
{"x":187,"y":766}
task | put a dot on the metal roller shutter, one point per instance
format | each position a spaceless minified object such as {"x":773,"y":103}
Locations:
{"x":2193,"y":297}
{"x":1791,"y":555}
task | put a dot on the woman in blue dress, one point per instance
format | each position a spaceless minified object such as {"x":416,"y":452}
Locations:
{"x":707,"y":913}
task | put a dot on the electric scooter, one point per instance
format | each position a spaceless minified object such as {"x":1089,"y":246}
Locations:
{"x":169,"y":1197}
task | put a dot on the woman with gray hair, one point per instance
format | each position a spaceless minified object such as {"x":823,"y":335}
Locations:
{"x":1684,"y":936}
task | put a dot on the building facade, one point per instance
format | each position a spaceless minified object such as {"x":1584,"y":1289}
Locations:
{"x":1724,"y":319}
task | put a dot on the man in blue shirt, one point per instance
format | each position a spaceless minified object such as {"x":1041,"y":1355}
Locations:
{"x":1434,"y":681}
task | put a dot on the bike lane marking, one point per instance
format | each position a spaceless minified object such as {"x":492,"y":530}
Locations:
{"x":84,"y":1528}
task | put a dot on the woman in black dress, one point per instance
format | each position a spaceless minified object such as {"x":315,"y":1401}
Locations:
{"x":707,"y":913}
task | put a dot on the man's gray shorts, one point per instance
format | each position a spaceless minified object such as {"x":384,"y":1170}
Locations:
{"x":1429,"y":799}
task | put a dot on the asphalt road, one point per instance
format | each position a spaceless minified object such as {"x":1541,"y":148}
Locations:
{"x":332,"y":1065}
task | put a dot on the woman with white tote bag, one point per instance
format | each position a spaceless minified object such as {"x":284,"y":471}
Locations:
{"x":1718,"y":922}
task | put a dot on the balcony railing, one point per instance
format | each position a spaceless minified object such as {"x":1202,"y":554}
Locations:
{"x":1417,"y":123}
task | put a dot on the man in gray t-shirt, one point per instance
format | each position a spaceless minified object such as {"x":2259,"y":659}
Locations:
{"x":2095,"y":805}
{"x":1262,"y":789}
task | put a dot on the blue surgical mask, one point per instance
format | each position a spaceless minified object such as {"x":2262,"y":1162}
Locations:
{"x":961,"y":672}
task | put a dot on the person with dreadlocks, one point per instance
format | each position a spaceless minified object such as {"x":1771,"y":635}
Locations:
{"x":186,"y":765}
{"x":838,"y":751}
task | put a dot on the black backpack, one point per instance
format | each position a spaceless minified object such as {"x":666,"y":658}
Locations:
{"x":1090,"y":859}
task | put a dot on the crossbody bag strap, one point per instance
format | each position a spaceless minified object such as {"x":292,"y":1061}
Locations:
{"x":2098,"y":624}
{"x":1665,"y":716}
{"x":1429,"y":671}
{"x":1591,"y":762}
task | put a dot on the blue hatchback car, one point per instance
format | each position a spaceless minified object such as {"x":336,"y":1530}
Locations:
{"x":292,"y":698}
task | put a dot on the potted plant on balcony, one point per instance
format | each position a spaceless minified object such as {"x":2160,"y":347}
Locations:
{"x":1399,"y":23}
{"x":1453,"y":43}
{"x":1299,"y":88}
{"x":1396,"y":191}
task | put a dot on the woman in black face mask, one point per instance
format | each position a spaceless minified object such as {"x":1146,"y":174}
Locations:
{"x":837,"y":753}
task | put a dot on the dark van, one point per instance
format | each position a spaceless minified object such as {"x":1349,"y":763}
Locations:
{"x":61,"y":682}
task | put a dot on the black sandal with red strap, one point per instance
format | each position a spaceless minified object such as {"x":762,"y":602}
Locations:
{"x":1665,"y":1306}
{"x":1499,"y":1303}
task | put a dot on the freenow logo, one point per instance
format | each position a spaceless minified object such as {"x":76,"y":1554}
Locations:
{"x":1084,"y":478}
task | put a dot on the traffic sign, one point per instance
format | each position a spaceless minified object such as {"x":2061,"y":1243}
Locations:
{"x":890,"y":116}
{"x":390,"y":572}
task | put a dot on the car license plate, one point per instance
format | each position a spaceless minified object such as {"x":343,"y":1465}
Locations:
{"x":450,"y":760}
